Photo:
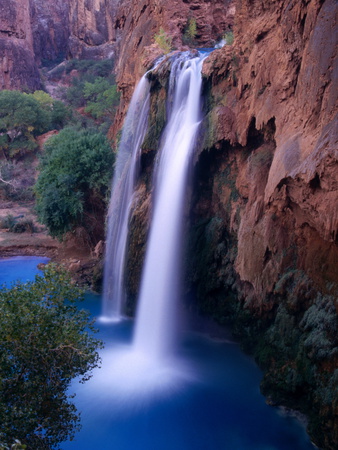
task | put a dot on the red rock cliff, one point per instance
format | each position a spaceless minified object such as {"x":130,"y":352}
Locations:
{"x":17,"y":65}
{"x":283,"y":70}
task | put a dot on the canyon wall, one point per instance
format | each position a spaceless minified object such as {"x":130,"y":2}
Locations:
{"x":41,"y":31}
{"x":17,"y":65}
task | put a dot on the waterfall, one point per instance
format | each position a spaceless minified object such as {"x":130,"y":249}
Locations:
{"x":126,"y":169}
{"x":160,"y":285}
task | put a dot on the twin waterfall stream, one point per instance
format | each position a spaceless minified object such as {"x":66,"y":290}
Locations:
{"x":160,"y":284}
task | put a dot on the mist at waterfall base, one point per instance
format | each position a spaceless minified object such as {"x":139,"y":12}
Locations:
{"x":210,"y":402}
{"x":214,"y":404}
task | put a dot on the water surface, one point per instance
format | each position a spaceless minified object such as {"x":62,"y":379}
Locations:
{"x":209,"y":399}
{"x":23,"y":268}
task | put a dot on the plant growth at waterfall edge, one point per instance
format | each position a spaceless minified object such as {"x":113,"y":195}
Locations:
{"x":163,"y":40}
{"x":45,"y":342}
{"x":229,"y":37}
{"x":190,"y":32}
{"x":73,"y":184}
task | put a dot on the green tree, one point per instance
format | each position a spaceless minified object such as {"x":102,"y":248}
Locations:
{"x":190,"y":31}
{"x":74,"y":179}
{"x":45,"y":342}
{"x":163,"y":41}
{"x":21,"y":120}
{"x":57,"y":113}
{"x":102,"y":98}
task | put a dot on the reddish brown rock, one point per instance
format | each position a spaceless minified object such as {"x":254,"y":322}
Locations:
{"x":281,"y":79}
{"x":17,"y":65}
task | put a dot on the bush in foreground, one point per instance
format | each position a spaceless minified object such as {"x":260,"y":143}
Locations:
{"x":45,"y":342}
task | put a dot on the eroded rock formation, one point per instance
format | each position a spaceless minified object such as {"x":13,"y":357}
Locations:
{"x":17,"y":65}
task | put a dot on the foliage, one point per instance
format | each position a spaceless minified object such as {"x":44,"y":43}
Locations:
{"x":25,"y":116}
{"x":320,"y":325}
{"x":23,"y":225}
{"x":229,"y":37}
{"x":16,"y":446}
{"x":21,"y":119}
{"x":17,"y":226}
{"x":45,"y":342}
{"x":163,"y":41}
{"x":91,"y":69}
{"x":56,"y":111}
{"x":88,"y":72}
{"x":102,"y":98}
{"x":7,"y":222}
{"x":190,"y":31}
{"x":76,"y":168}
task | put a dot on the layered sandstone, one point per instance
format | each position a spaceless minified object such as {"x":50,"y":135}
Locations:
{"x":138,"y":21}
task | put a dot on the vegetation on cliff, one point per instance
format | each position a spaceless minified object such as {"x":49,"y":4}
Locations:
{"x":45,"y":342}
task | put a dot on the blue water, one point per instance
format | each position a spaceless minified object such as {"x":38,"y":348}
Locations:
{"x":210,"y":402}
{"x":23,"y":268}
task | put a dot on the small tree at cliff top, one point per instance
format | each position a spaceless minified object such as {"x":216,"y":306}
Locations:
{"x":190,"y":32}
{"x":163,"y":41}
{"x":45,"y":341}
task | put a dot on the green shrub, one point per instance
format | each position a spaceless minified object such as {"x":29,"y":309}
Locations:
{"x":91,"y":69}
{"x":23,"y":226}
{"x":163,"y":41}
{"x":229,"y":37}
{"x":102,"y":98}
{"x":8,"y":222}
{"x":21,"y":119}
{"x":75,"y":174}
{"x":190,"y":32}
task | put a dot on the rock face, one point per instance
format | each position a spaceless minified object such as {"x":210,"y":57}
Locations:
{"x":35,"y":31}
{"x":263,"y":231}
{"x":138,"y":21}
{"x":17,"y":65}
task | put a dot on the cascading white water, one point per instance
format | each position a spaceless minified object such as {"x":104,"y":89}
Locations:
{"x":148,"y":367}
{"x":123,"y":185}
{"x":155,"y":326}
